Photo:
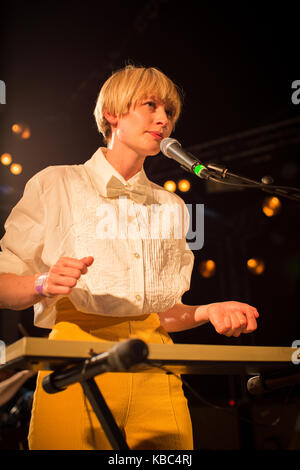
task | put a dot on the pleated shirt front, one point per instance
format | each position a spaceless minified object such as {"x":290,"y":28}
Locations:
{"x":134,"y":229}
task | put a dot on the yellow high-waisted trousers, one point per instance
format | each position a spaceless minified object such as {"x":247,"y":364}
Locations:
{"x":150,"y":409}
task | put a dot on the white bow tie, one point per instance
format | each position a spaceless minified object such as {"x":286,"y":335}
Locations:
{"x":139,"y":193}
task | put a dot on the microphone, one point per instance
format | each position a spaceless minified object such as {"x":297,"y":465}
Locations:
{"x":121,"y":357}
{"x":258,"y":385}
{"x":171,"y":148}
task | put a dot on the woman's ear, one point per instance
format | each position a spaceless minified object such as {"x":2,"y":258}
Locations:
{"x":111,"y":118}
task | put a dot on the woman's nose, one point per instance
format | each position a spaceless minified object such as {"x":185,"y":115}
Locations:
{"x":161,"y":116}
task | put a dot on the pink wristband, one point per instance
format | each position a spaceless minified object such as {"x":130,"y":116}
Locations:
{"x":39,"y":283}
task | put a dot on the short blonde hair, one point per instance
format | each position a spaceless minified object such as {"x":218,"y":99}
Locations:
{"x":131,"y":85}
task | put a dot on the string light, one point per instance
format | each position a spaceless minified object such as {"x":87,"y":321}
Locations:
{"x":21,"y":130}
{"x":256,"y":266}
{"x":207,"y":268}
{"x":184,"y":186}
{"x":6,"y":159}
{"x":16,"y":128}
{"x":271,"y":206}
{"x":26,"y":134}
{"x":16,"y":168}
{"x":170,"y":186}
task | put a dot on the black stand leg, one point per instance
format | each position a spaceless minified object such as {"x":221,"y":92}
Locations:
{"x":104,"y":415}
{"x":118,"y":359}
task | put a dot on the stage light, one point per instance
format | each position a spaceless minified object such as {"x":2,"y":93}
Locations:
{"x":256,"y":266}
{"x":6,"y":159}
{"x":271,"y":206}
{"x":170,"y":186}
{"x":26,"y":134}
{"x":184,"y":186}
{"x":16,"y":168}
{"x":21,"y":130}
{"x":16,"y":128}
{"x":207,"y":268}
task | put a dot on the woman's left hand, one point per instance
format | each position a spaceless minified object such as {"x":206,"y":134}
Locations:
{"x":232,"y":318}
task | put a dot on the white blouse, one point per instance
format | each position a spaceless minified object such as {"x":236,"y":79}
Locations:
{"x":134,"y":229}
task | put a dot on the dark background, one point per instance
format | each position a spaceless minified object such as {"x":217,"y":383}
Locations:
{"x":236,"y":62}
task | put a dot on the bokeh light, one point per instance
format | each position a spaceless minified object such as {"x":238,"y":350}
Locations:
{"x":6,"y":159}
{"x":271,"y":206}
{"x":16,"y":168}
{"x":170,"y":186}
{"x":207,"y":268}
{"x":21,"y":130}
{"x":256,"y":266}
{"x":184,"y":185}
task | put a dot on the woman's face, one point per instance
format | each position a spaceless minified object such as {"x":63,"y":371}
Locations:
{"x":144,"y":126}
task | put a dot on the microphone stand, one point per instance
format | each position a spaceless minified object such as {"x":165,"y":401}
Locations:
{"x":219,"y":173}
{"x":171,"y":148}
{"x":104,"y":415}
{"x":60,"y":379}
{"x":84,"y":373}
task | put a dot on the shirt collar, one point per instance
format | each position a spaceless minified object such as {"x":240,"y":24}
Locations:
{"x":105,"y":177}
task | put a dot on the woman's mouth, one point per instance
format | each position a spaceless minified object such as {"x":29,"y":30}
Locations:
{"x":156,"y":135}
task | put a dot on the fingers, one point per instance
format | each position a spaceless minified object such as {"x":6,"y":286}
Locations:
{"x":74,"y":263}
{"x":233,"y":318}
{"x":88,"y":260}
{"x":241,"y":322}
{"x":232,"y":324}
{"x":220,"y":320}
{"x":238,"y":324}
{"x":63,"y":276}
{"x":251,"y":315}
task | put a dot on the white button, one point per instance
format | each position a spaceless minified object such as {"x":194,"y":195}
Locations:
{"x":136,"y":255}
{"x":138,"y":297}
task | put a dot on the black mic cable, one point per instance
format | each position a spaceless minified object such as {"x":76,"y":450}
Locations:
{"x":228,"y":411}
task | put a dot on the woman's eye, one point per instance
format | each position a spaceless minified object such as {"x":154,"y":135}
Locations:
{"x":153,"y":105}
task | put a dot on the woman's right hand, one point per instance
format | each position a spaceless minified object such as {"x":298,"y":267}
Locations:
{"x":64,"y":274}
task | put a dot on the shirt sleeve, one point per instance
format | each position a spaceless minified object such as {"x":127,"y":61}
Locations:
{"x":23,"y":240}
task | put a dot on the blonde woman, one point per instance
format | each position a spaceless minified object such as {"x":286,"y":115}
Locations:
{"x":90,"y":280}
